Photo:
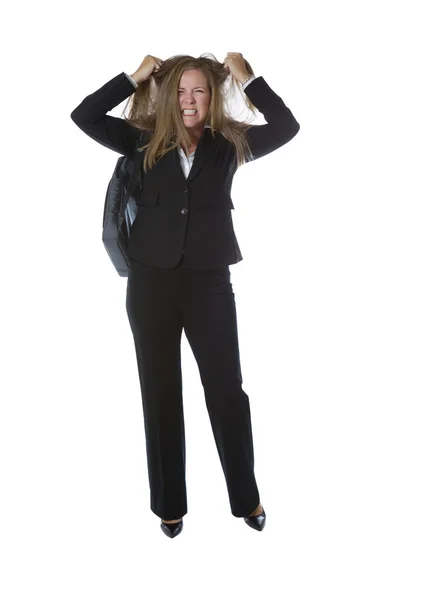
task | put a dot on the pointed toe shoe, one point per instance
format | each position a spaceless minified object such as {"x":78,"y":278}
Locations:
{"x":172,"y":529}
{"x":257,"y":522}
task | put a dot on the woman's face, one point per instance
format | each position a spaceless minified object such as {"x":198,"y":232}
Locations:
{"x":194,"y":93}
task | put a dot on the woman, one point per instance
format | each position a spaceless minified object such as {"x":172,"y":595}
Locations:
{"x":180,"y":248}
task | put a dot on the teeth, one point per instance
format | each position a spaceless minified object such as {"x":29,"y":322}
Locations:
{"x":190,"y":112}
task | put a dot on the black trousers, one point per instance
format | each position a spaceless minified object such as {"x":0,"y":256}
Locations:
{"x":160,"y":303}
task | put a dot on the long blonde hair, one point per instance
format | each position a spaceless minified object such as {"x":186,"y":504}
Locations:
{"x":154,"y":107}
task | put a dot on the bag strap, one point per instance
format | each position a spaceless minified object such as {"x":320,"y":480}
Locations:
{"x":137,"y":160}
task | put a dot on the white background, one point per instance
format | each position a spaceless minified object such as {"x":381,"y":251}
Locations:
{"x":330,"y":301}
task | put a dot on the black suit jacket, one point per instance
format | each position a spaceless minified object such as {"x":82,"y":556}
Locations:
{"x":176,"y":214}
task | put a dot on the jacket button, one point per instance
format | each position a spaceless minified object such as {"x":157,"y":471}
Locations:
{"x":183,"y":211}
{"x":185,"y":190}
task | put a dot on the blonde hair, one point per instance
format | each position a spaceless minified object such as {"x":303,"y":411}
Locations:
{"x":154,"y":107}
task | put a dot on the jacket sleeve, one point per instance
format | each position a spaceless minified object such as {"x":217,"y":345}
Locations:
{"x":281,"y":124}
{"x":113,"y":132}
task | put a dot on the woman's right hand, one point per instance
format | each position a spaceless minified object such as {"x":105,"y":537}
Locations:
{"x":148,"y":66}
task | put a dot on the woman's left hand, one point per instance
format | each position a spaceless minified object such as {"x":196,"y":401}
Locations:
{"x":235,"y":63}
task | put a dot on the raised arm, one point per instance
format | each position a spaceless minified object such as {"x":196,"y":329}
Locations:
{"x":281,"y":124}
{"x":113,"y":132}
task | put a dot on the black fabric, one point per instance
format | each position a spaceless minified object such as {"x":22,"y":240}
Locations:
{"x":176,"y":214}
{"x":160,"y":304}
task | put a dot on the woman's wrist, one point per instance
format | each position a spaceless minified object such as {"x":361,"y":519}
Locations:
{"x":136,"y":77}
{"x":245,"y":78}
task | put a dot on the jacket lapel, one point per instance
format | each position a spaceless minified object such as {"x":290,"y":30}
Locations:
{"x":206,"y":148}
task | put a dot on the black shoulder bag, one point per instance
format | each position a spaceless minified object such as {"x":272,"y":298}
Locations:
{"x":121,"y":209}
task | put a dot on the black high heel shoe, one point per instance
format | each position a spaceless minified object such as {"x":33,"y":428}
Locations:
{"x":258,"y":522}
{"x":172,"y":529}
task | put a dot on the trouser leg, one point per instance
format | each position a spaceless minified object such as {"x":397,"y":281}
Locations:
{"x":210,"y":324}
{"x":156,"y":325}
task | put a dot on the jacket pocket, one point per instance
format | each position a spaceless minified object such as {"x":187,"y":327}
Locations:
{"x":217,"y":199}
